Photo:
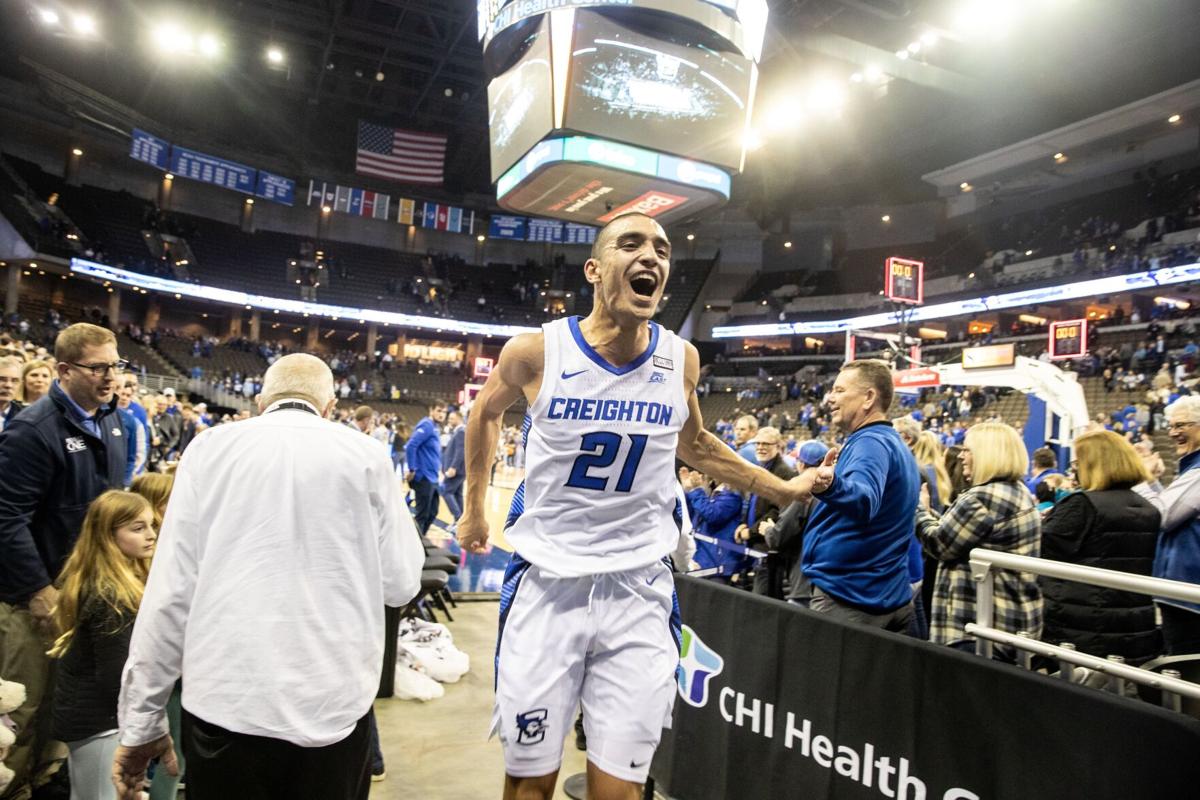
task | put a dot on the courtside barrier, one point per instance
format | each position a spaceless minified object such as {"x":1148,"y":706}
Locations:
{"x":775,"y":701}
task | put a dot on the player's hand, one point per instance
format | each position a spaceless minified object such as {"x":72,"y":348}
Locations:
{"x":800,"y":488}
{"x":129,"y":765}
{"x":473,"y":533}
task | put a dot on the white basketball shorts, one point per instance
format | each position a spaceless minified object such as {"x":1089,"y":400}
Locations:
{"x":609,"y":642}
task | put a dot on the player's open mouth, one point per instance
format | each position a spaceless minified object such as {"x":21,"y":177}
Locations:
{"x":644,"y":284}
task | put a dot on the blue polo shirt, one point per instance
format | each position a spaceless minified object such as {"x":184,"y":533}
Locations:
{"x":424,"y":450}
{"x":857,"y":539}
{"x":78,"y":414}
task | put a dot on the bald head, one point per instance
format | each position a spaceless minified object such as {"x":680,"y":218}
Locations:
{"x":615,"y":226}
{"x":298,"y":376}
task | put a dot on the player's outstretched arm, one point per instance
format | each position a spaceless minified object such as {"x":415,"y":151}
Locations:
{"x":702,"y":450}
{"x":519,"y":367}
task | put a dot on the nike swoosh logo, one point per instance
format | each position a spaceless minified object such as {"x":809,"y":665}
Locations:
{"x":634,"y":765}
{"x":566,"y":375}
{"x":650,"y":581}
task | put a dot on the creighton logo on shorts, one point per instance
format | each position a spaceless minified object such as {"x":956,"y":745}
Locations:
{"x":531,"y":726}
{"x":698,"y":663}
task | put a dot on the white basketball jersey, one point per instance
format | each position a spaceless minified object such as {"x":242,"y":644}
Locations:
{"x":599,"y":490}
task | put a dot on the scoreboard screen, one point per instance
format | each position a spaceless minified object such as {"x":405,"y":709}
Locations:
{"x":904,"y":280}
{"x":1068,"y":339}
{"x":663,"y":90}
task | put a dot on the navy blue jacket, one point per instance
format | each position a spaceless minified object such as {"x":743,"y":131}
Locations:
{"x":10,"y":413}
{"x":52,"y":470}
{"x":857,"y":539}
{"x":423,"y":453}
{"x":130,"y":425}
{"x":717,"y":516}
{"x":454,"y":456}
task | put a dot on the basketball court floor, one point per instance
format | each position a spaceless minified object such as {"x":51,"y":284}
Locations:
{"x":439,"y":750}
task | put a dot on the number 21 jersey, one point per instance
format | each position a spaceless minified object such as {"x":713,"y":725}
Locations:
{"x":599,"y":490}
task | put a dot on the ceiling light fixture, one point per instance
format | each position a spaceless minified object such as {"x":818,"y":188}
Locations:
{"x":84,"y":24}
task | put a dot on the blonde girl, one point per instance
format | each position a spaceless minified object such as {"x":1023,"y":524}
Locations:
{"x":100,"y":589}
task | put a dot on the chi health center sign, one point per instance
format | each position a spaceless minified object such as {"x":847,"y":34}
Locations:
{"x":891,"y":777}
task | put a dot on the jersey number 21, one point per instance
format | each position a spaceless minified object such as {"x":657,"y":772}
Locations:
{"x":599,"y":450}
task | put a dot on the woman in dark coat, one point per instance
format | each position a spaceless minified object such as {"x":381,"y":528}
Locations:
{"x":1109,"y":526}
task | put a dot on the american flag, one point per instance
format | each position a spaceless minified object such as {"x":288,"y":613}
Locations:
{"x":400,"y":155}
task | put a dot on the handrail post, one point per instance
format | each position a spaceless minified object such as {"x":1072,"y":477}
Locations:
{"x":981,"y":573}
{"x":1171,"y":700}
{"x":1025,"y":657}
{"x":1116,"y":683}
{"x":1065,"y":670}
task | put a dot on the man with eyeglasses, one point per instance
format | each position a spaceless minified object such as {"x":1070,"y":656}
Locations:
{"x":56,"y":456}
{"x":10,"y":379}
{"x":760,"y":511}
{"x":1178,"y":555}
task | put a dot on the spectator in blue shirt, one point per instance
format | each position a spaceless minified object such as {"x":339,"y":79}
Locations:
{"x":715,"y":512}
{"x":423,"y":453}
{"x":856,"y":543}
{"x":743,"y":431}
{"x":1042,"y":464}
{"x":56,"y":457}
{"x":454,"y":464}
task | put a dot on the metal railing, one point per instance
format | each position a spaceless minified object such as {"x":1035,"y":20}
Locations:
{"x":984,"y":561}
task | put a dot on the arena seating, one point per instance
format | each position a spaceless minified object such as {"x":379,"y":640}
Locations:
{"x":155,"y":362}
{"x":1095,"y":221}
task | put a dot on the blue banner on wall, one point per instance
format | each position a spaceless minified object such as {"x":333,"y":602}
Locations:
{"x":574,"y":233}
{"x":210,"y":169}
{"x":545,"y":230}
{"x":149,"y":149}
{"x":503,"y":226}
{"x":276,"y":188}
{"x":528,"y":229}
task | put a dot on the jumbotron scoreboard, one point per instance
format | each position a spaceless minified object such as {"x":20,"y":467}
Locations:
{"x":598,"y":107}
{"x":1068,"y":339}
{"x":904,"y":280}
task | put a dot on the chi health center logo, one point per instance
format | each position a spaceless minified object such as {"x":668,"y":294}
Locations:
{"x":698,"y":664}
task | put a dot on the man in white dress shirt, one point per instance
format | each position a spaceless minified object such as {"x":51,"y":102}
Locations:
{"x":285,"y":537}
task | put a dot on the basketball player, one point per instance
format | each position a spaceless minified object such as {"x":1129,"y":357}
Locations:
{"x":587,"y":611}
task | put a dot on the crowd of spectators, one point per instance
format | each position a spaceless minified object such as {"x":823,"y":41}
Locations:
{"x":59,"y":516}
{"x":979,"y":487}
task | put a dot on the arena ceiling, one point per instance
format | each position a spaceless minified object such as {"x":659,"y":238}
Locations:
{"x":416,"y":63}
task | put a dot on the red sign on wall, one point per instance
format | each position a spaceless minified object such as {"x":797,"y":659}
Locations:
{"x":915,"y":378}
